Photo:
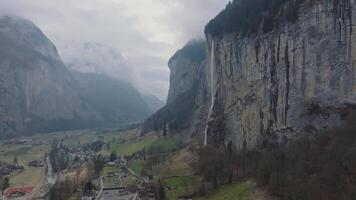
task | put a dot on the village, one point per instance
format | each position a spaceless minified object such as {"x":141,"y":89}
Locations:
{"x":81,"y":169}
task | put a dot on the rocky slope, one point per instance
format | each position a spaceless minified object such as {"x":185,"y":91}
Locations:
{"x":39,"y":94}
{"x":185,"y":111}
{"x":37,"y":91}
{"x":298,"y":78}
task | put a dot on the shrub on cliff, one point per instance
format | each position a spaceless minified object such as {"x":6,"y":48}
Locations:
{"x":249,"y":16}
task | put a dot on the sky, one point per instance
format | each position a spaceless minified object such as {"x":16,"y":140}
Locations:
{"x":131,"y":40}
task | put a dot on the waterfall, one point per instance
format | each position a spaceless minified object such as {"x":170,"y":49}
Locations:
{"x":212,"y":89}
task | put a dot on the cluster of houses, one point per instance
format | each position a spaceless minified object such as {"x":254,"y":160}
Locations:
{"x":7,"y":169}
{"x":119,"y":162}
{"x":78,"y":156}
{"x":18,"y":141}
{"x":147,"y":191}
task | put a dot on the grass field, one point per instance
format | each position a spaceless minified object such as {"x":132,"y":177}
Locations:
{"x":178,"y":164}
{"x":132,"y":146}
{"x":29,"y":176}
{"x":108,"y":169}
{"x":136,"y":166}
{"x":238,"y":191}
{"x":179,"y":186}
{"x":148,"y":141}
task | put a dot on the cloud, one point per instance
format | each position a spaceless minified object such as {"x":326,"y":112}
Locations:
{"x":139,"y":35}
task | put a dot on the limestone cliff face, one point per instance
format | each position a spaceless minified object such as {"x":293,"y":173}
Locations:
{"x":185,"y":112}
{"x":297,"y":79}
{"x":184,"y":66}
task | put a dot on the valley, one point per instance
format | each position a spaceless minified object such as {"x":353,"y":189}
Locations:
{"x":140,"y":163}
{"x":260,"y":105}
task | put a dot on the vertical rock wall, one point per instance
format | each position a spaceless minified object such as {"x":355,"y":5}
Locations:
{"x":297,"y":79}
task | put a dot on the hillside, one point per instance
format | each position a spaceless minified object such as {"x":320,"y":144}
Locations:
{"x":38,"y":94}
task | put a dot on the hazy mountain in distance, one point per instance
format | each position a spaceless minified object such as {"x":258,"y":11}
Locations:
{"x":117,"y":102}
{"x":153,"y":102}
{"x":97,"y":58}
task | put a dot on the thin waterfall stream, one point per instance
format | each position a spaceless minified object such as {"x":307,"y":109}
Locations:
{"x":212,"y":89}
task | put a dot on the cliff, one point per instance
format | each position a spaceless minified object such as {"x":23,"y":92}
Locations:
{"x":272,"y":72}
{"x":274,"y":84}
{"x":37,"y":91}
{"x":184,"y":67}
{"x":184,"y":113}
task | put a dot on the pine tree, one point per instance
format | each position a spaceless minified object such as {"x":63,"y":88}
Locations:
{"x":16,"y":162}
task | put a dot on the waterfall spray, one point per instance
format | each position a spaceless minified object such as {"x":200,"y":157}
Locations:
{"x":212,"y":89}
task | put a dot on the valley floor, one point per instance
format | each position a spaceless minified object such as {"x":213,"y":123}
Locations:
{"x":149,"y":159}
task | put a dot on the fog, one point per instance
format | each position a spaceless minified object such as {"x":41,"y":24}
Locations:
{"x":131,"y":40}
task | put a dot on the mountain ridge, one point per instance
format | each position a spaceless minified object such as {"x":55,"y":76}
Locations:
{"x":39,"y":94}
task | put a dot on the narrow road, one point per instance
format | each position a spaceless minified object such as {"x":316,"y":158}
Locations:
{"x":101,"y":189}
{"x":133,"y":173}
{"x":50,"y":178}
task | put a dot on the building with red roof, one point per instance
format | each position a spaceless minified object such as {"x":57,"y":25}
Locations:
{"x":18,"y":193}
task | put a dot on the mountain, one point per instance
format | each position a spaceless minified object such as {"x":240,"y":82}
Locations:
{"x":185,"y":110}
{"x":37,"y":91}
{"x":39,"y":94}
{"x":184,"y":67}
{"x":273,"y":70}
{"x":117,"y":102}
{"x":153,"y":102}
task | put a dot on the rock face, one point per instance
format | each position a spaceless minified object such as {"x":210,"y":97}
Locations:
{"x":37,"y":91}
{"x":184,"y":67}
{"x":39,"y":94}
{"x":261,"y":89}
{"x":297,"y":79}
{"x":185,"y":111}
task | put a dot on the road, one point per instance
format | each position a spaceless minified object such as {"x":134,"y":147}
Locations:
{"x":50,"y":178}
{"x":133,"y":173}
{"x":116,"y":195}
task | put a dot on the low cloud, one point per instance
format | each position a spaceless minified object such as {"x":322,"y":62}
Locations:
{"x":130,"y":40}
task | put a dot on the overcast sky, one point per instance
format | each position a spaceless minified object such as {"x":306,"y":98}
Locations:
{"x":128,"y":39}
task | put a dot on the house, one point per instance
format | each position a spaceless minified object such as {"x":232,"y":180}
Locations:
{"x":18,"y":193}
{"x":4,"y":171}
{"x":147,"y":191}
{"x":36,"y":163}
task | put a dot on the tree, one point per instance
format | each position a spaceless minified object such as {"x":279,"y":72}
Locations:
{"x":15,"y":161}
{"x":113,"y":156}
{"x":98,"y":164}
{"x":6,"y":184}
{"x":160,"y":191}
{"x":88,"y":187}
